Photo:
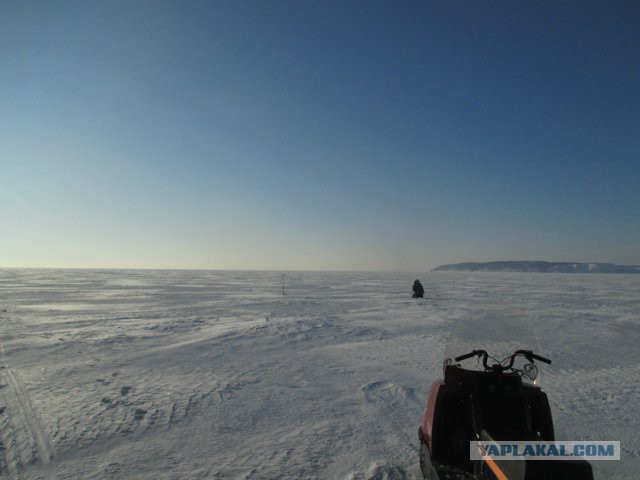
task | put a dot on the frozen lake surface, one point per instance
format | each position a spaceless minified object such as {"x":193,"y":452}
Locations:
{"x":206,"y":374}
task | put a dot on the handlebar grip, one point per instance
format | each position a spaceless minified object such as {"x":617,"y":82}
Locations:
{"x":542,"y":359}
{"x":466,"y":355}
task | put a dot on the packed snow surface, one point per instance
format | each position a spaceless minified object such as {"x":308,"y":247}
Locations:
{"x":206,"y":374}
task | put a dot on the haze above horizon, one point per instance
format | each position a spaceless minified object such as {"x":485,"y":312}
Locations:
{"x":318,"y":135}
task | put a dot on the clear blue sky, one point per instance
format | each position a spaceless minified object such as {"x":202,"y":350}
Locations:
{"x":317,"y":134}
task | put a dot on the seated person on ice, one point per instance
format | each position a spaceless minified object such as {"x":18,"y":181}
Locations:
{"x":418,"y":290}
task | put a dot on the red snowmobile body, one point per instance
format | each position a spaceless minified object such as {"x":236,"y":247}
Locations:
{"x":480,"y":405}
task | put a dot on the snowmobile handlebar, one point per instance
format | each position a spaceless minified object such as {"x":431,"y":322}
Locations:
{"x":529,"y":355}
{"x":469,"y":355}
{"x":505,"y":364}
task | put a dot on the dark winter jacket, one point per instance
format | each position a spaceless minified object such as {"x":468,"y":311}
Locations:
{"x":418,"y":290}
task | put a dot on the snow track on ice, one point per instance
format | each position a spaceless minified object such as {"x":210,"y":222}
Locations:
{"x":24,"y":440}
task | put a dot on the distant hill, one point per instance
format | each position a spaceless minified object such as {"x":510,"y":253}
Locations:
{"x":538,"y":266}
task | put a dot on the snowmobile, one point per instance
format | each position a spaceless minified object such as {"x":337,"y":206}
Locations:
{"x":489,"y":397}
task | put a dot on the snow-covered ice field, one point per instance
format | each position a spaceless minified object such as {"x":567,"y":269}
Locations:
{"x":206,"y":374}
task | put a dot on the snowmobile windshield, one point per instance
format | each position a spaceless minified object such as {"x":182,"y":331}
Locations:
{"x":499,"y":331}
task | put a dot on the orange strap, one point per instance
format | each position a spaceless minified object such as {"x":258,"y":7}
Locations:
{"x":496,"y":469}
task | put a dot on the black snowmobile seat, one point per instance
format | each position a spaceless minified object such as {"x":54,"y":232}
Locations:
{"x":452,"y":429}
{"x":558,"y":470}
{"x":538,"y":469}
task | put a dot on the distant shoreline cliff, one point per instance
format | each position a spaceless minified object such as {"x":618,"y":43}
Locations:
{"x":538,"y":266}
